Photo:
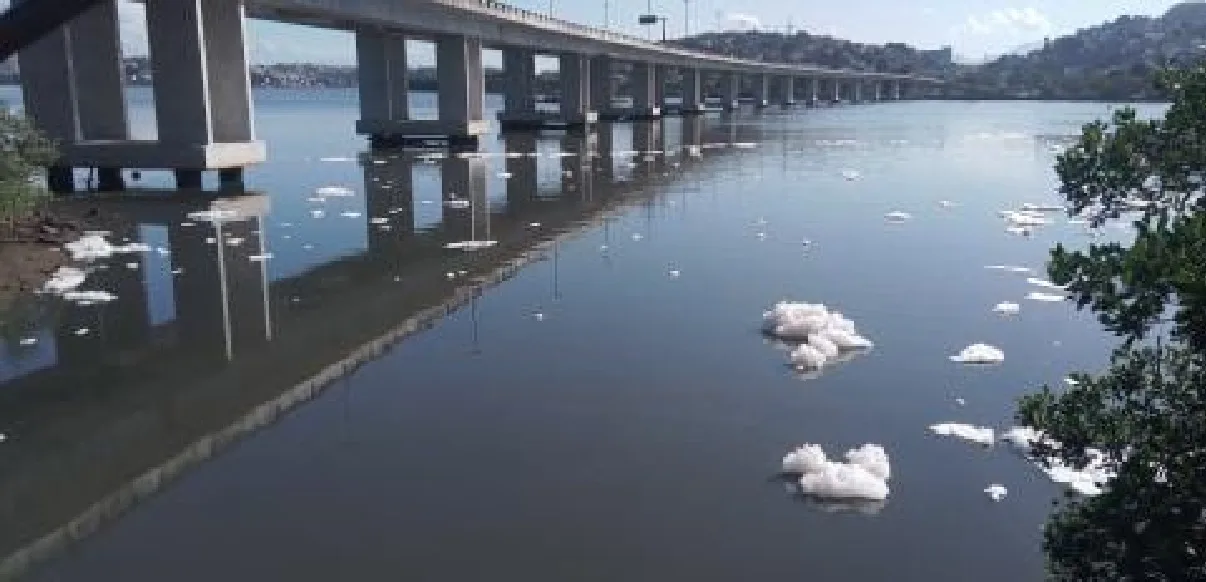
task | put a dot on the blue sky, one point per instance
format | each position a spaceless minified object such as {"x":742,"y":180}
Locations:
{"x":973,"y":27}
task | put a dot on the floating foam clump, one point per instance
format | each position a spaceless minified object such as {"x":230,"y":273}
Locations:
{"x":471,"y":245}
{"x":458,"y":203}
{"x":981,"y":354}
{"x":1046,"y":297}
{"x":1032,"y":207}
{"x":213,"y":215}
{"x":864,"y":475}
{"x":86,"y":298}
{"x":63,"y":280}
{"x":1007,"y":308}
{"x":93,"y":246}
{"x":898,"y":216}
{"x":851,"y":175}
{"x":1045,"y":284}
{"x":996,"y":492}
{"x":975,"y":434}
{"x":1089,"y":481}
{"x":334,"y":192}
{"x":1010,"y":269}
{"x":822,"y":335}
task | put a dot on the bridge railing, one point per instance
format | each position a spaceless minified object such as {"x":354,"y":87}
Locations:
{"x":623,"y":38}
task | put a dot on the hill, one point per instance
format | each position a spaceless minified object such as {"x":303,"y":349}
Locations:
{"x":805,"y":48}
{"x":1115,"y":60}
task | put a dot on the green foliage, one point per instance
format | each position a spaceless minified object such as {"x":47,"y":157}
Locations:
{"x":1147,"y":412}
{"x":23,"y":151}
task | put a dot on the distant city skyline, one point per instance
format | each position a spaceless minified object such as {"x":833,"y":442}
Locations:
{"x":973,"y":28}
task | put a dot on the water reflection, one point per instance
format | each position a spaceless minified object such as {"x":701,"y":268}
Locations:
{"x":122,"y":397}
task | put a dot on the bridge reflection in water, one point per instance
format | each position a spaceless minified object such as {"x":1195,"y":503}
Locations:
{"x":172,"y":372}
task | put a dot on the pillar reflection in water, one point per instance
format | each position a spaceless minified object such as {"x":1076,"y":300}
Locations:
{"x":466,"y":211}
{"x":521,"y":186}
{"x":389,"y":189}
{"x":222,"y":300}
{"x":579,"y":148}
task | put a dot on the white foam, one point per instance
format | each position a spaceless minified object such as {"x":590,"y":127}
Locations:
{"x":823,"y":336}
{"x":471,"y":245}
{"x":458,"y":203}
{"x":64,"y":279}
{"x":28,"y":341}
{"x":1045,"y":284}
{"x":212,"y":215}
{"x":1007,"y":308}
{"x":1046,"y":297}
{"x":93,"y":246}
{"x":1010,"y":269}
{"x":996,"y":492}
{"x":851,"y":175}
{"x":948,"y":204}
{"x":898,"y":216}
{"x":336,"y":159}
{"x":334,"y":192}
{"x":350,"y":214}
{"x":86,"y":298}
{"x":864,"y":475}
{"x":979,"y":354}
{"x":976,"y":434}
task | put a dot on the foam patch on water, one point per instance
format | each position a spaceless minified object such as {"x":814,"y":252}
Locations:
{"x":864,"y":474}
{"x":898,"y":216}
{"x":471,"y":245}
{"x":1089,"y":481}
{"x":996,"y":492}
{"x":1007,"y":308}
{"x":93,"y":247}
{"x":64,"y":279}
{"x":975,"y":434}
{"x":1010,"y":269}
{"x":823,"y":336}
{"x":979,"y":354}
{"x":86,"y":298}
{"x":1046,"y":297}
{"x":334,"y":192}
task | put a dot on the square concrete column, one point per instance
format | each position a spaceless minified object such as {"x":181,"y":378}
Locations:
{"x":461,"y":79}
{"x":730,"y":87}
{"x":201,"y":86}
{"x":381,"y":67}
{"x":896,"y":90}
{"x":692,"y":90}
{"x":761,"y":90}
{"x":858,"y":91}
{"x":815,"y":93}
{"x":660,"y":76}
{"x":783,"y":90}
{"x":519,"y":76}
{"x":837,"y":90}
{"x":574,"y":71}
{"x":602,"y":88}
{"x":878,"y":91}
{"x":645,"y":104}
{"x":80,"y":59}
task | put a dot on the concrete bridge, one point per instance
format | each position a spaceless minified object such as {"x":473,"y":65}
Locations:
{"x":73,"y":80}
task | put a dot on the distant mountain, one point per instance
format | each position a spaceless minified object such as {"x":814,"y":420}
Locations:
{"x":1115,"y":60}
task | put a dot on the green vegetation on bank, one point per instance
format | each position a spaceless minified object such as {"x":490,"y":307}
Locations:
{"x":24,"y":151}
{"x":1147,"y":412}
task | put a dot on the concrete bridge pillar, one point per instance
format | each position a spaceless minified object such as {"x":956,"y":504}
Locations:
{"x":762,"y":90}
{"x":858,"y":91}
{"x":202,"y":90}
{"x":646,"y":103}
{"x":730,"y":87}
{"x":692,"y":90}
{"x":576,"y":107}
{"x":837,"y":90}
{"x":783,"y":91}
{"x":383,"y":87}
{"x":519,"y":75}
{"x":814,"y":93}
{"x":878,"y":90}
{"x":462,"y":86}
{"x":896,"y":90}
{"x":602,"y":87}
{"x":80,"y":59}
{"x":661,"y":74}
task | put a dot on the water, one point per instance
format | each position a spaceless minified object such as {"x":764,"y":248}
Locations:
{"x":562,"y":407}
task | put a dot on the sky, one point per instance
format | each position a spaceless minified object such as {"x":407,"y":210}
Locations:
{"x":975,"y":28}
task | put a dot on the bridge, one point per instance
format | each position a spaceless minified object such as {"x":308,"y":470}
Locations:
{"x":73,"y":80}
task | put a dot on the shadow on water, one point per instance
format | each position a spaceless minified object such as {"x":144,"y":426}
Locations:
{"x":203,"y":346}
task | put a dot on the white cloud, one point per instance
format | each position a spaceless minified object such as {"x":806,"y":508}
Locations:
{"x":740,"y":22}
{"x":1007,"y":21}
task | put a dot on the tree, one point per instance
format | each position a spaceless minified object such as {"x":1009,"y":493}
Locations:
{"x":1147,"y":412}
{"x":23,"y":152}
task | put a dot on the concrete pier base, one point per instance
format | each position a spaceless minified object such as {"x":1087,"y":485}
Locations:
{"x":110,"y":180}
{"x":541,"y":120}
{"x":633,"y":114}
{"x":406,"y":131}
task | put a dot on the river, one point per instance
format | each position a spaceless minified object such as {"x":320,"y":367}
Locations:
{"x":590,"y":398}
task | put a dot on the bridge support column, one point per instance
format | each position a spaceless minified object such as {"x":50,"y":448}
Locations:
{"x":202,"y":90}
{"x":762,"y":91}
{"x":519,"y":89}
{"x":896,"y":90}
{"x":384,"y":99}
{"x":858,"y":91}
{"x":730,"y":87}
{"x":692,"y":91}
{"x":73,"y":89}
{"x":814,"y":95}
{"x":602,"y":87}
{"x":645,"y":92}
{"x":837,"y":91}
{"x":783,"y":91}
{"x":878,"y":91}
{"x":576,"y":107}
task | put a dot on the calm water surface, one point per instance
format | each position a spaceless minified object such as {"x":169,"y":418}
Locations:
{"x":579,"y":413}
